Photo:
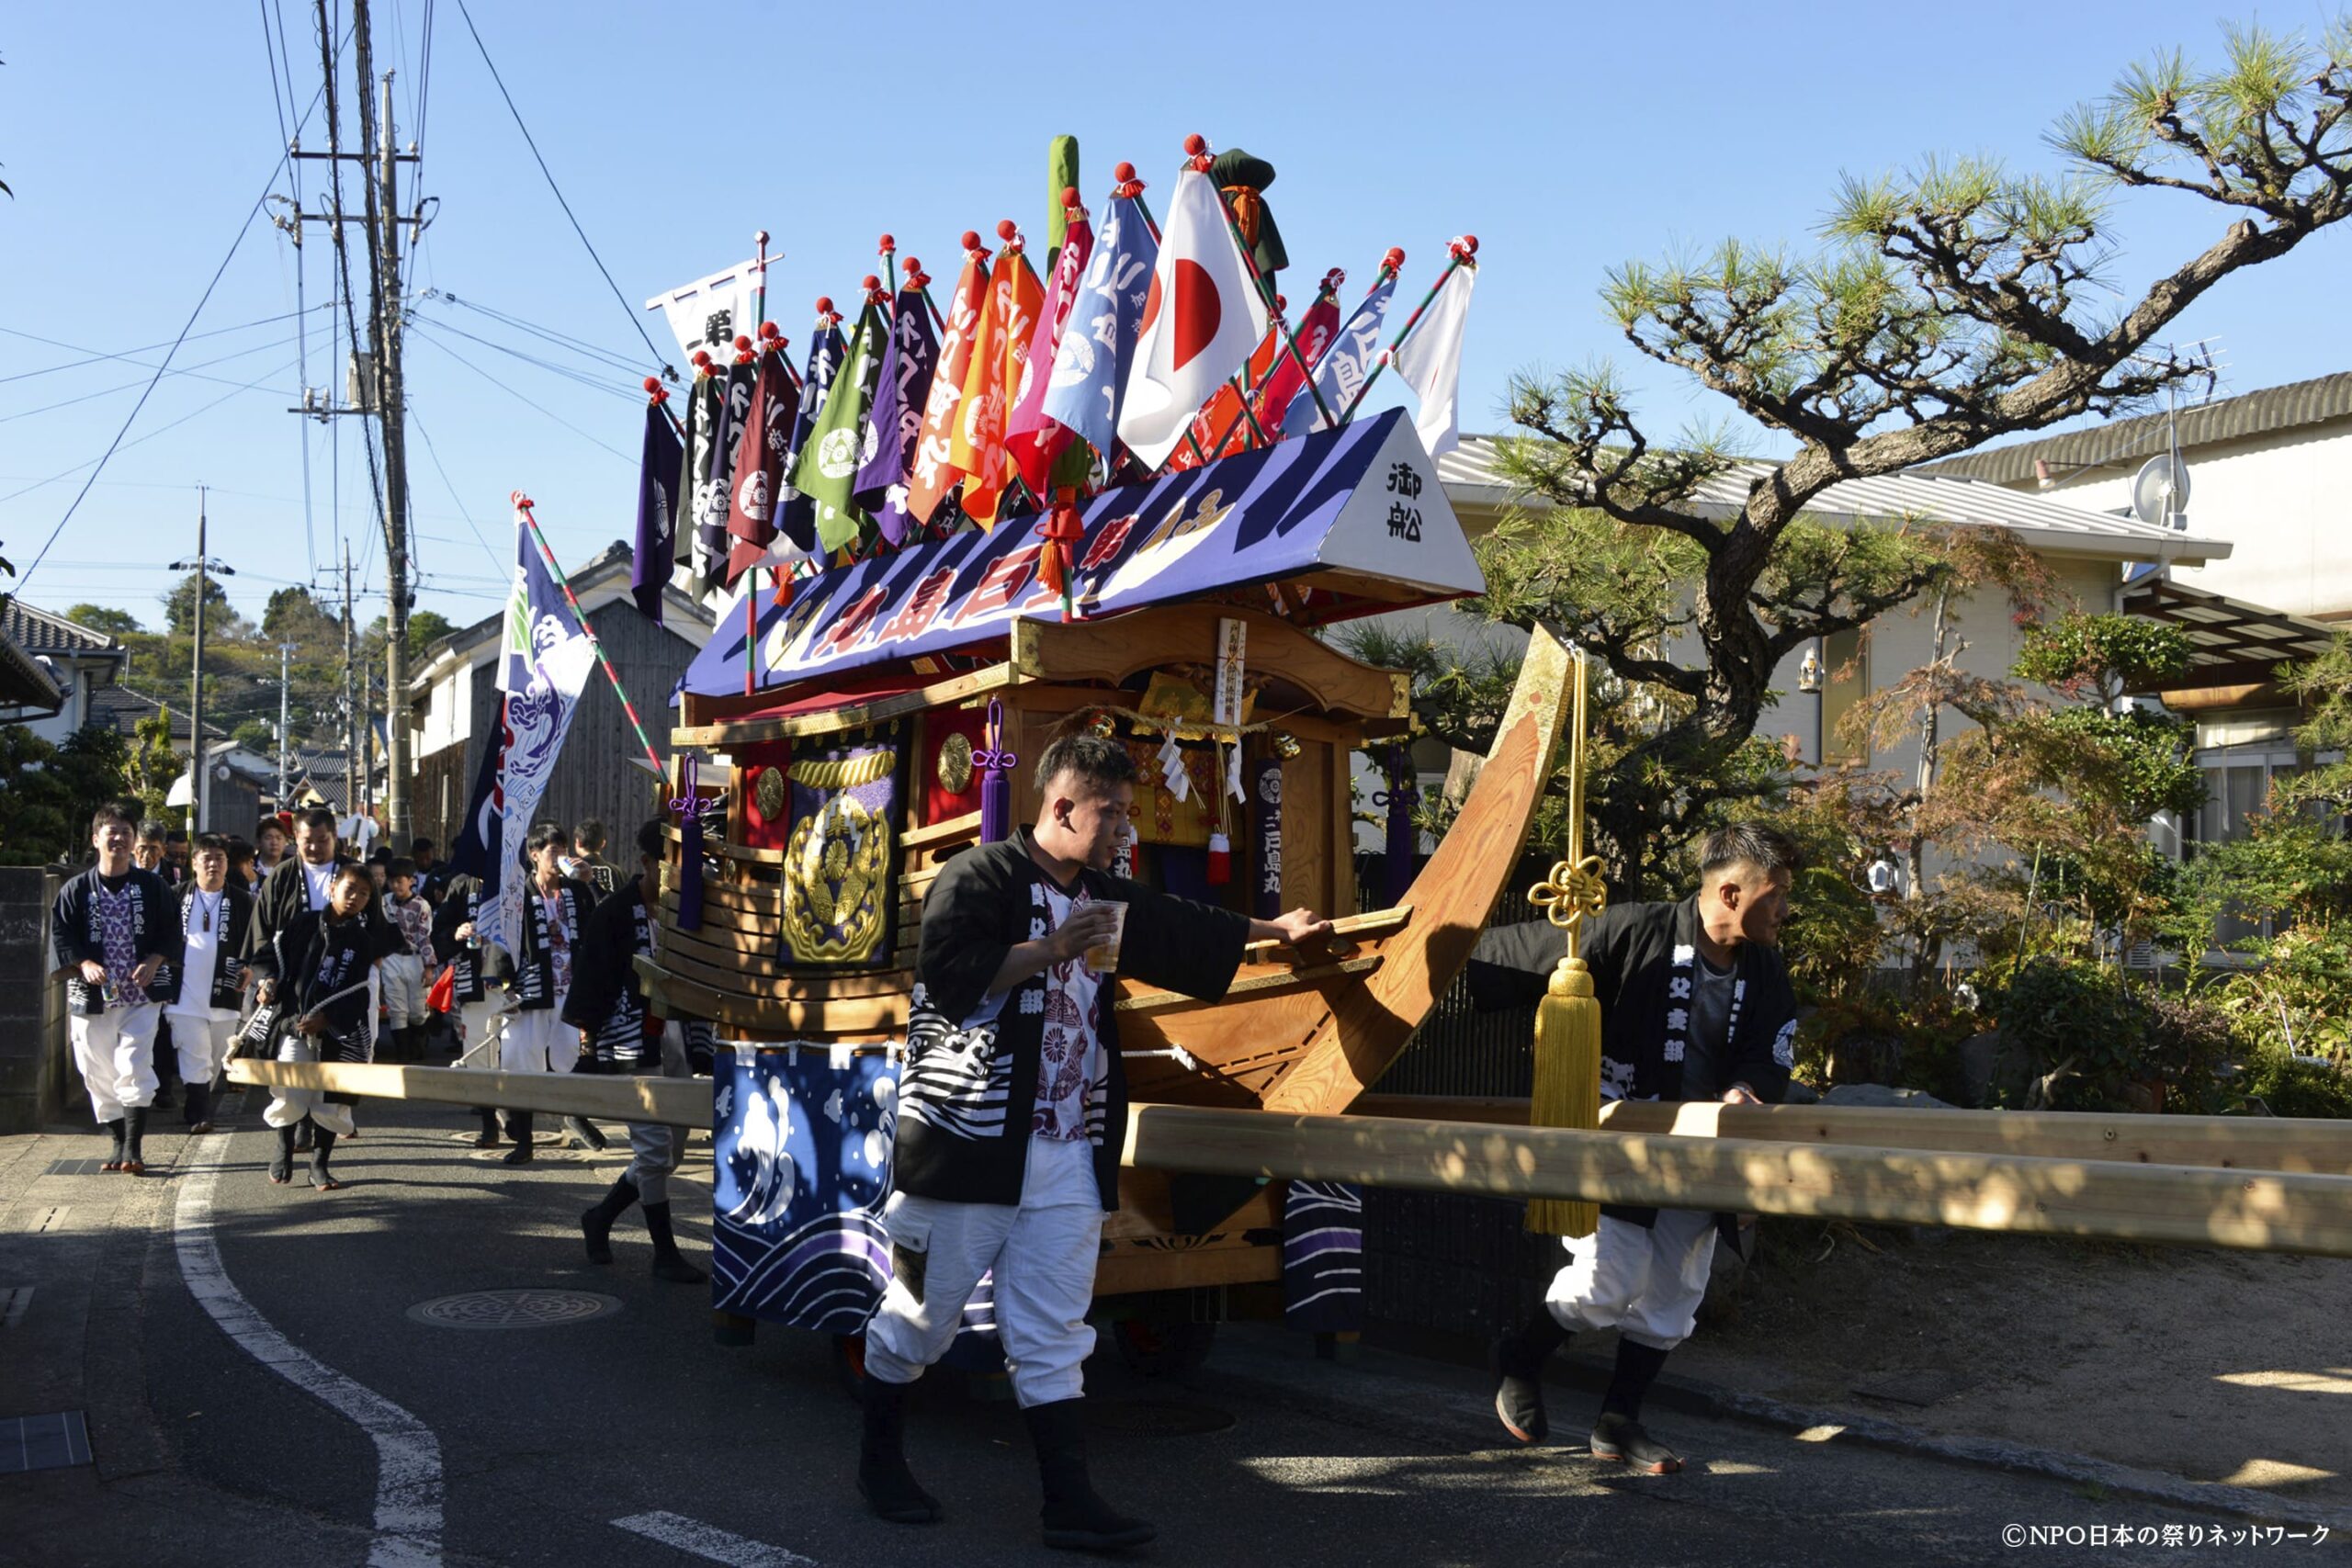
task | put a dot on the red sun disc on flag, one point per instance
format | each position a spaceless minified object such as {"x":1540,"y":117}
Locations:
{"x":1199,"y":308}
{"x":1150,"y":308}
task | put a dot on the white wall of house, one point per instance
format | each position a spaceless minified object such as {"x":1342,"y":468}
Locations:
{"x":448,"y":709}
{"x":2283,"y":500}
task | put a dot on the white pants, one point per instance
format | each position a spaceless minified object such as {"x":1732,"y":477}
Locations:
{"x":116,"y":1053}
{"x":402,"y":975}
{"x":1646,"y":1284}
{"x":483,"y":1020}
{"x":537,"y":1042}
{"x":656,"y":1148}
{"x":202,"y":1040}
{"x":1043,"y":1251}
{"x":288,"y":1105}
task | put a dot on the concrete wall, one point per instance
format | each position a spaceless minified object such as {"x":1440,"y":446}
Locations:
{"x":33,"y":1073}
{"x":2284,"y":500}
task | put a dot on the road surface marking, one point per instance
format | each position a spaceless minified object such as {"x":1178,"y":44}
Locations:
{"x":710,"y":1542}
{"x":408,"y":1456}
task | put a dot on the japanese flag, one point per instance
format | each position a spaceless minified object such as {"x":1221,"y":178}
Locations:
{"x":1199,"y":322}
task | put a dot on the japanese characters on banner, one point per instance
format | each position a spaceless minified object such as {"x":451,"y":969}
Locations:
{"x":1266,"y":828}
{"x":1325,"y":502}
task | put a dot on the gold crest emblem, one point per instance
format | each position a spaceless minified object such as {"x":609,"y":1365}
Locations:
{"x":771,"y":794}
{"x":955,"y":763}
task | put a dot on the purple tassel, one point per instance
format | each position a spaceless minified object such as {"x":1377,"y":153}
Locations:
{"x":996,"y":779}
{"x":1404,"y":841}
{"x":689,"y":809}
{"x":1266,"y":829}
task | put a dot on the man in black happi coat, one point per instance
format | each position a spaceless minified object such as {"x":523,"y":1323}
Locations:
{"x":1695,"y":1006}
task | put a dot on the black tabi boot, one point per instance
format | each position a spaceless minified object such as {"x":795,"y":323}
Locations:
{"x":281,"y":1164}
{"x":596,"y":1223}
{"x":668,"y":1263}
{"x":303,"y":1131}
{"x":199,"y":1114}
{"x":518,"y":1127}
{"x":489,"y":1138}
{"x":1618,"y":1437}
{"x":113,"y":1160}
{"x":321,"y":1151}
{"x":580,"y":1132}
{"x":883,"y":1479}
{"x":134,"y":1129}
{"x":1517,"y":1362}
{"x":1075,"y":1518}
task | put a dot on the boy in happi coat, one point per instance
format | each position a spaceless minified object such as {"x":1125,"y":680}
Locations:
{"x":536,"y":1039}
{"x":1695,"y":1006}
{"x":315,"y":970}
{"x":206,"y":984}
{"x":402,"y":977}
{"x":111,"y":933}
{"x":625,"y":1035}
{"x":480,"y":973}
{"x":1013,"y":1114}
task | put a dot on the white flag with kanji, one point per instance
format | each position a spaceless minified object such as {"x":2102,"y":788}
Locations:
{"x":1430,"y":362}
{"x":1202,"y":317}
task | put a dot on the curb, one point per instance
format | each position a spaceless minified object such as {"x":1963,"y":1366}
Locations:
{"x":1692,"y":1397}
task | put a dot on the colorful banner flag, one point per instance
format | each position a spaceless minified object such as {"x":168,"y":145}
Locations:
{"x":894,"y":422}
{"x":707,"y":413}
{"x":1317,"y":330}
{"x":1035,"y":440}
{"x":1202,"y":319}
{"x":1431,"y":361}
{"x":543,"y":662}
{"x":759,"y":466}
{"x":1090,"y":363}
{"x":716,"y":496}
{"x":1343,"y":368}
{"x":1220,"y":429}
{"x":825,"y":469}
{"x":797,"y":514}
{"x":656,"y":546}
{"x":935,"y":472}
{"x":1000,"y":349}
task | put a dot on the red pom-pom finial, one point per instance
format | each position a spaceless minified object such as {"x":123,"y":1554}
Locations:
{"x":653,"y":383}
{"x":1124,"y":172}
{"x":700,"y":359}
{"x":1196,"y":144}
{"x":911,"y":267}
{"x":824,"y":304}
{"x":1069,"y":196}
{"x":1006,"y":228}
{"x":1282,"y":302}
{"x":1464,"y":245}
{"x":742,"y":342}
{"x":888,"y":243}
{"x":971,"y":240}
{"x":869,"y":282}
{"x":1394,"y":258}
{"x":769,"y":332}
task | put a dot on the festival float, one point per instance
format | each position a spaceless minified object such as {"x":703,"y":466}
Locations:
{"x":925,"y":590}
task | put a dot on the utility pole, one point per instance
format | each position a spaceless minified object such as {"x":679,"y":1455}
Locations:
{"x":198,"y":774}
{"x":352,"y":717}
{"x":284,"y":655}
{"x":399,"y":828}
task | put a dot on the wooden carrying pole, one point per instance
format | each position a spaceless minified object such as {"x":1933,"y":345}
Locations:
{"x":2264,"y":1211}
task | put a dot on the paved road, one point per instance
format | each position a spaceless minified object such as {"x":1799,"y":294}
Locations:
{"x":630,"y":1437}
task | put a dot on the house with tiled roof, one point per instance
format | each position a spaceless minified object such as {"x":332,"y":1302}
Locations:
{"x":78,"y":663}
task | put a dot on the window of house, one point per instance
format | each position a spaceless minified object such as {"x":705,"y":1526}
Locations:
{"x":2237,"y":789}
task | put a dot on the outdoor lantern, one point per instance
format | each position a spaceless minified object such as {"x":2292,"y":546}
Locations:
{"x":1809,"y":672}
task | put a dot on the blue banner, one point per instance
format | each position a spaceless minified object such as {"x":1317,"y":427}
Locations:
{"x":1340,"y":373}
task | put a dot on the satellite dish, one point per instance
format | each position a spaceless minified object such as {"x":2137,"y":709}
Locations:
{"x":2160,"y":492}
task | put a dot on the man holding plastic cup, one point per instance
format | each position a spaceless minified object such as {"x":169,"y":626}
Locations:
{"x":1013,"y":1114}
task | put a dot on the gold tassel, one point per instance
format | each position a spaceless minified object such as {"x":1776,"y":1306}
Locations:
{"x":1567,"y":1023}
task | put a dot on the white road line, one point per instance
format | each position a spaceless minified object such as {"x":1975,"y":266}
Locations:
{"x":408,"y":1456}
{"x":710,"y":1542}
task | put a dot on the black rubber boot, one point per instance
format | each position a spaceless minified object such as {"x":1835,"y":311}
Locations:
{"x":113,"y":1160}
{"x":1517,"y":1362}
{"x":1076,"y":1518}
{"x":323,"y":1150}
{"x":1618,"y":1435}
{"x":134,"y":1129}
{"x":518,"y":1127}
{"x":580,"y":1132}
{"x":199,"y":1115}
{"x":489,"y":1138}
{"x":883,"y":1479}
{"x":596,"y":1223}
{"x":668,"y":1263}
{"x":281,"y":1164}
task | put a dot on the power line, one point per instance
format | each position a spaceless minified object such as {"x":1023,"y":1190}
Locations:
{"x":188,"y":371}
{"x":432,"y":452}
{"x":434,"y":339}
{"x":252,"y":385}
{"x":91,"y":356}
{"x":579,"y":377}
{"x":586,"y":350}
{"x":668,"y":373}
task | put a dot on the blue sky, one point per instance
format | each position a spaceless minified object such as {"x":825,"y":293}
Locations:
{"x":1568,"y":138}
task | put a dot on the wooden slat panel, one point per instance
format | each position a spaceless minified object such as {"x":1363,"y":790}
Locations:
{"x":951,"y":831}
{"x":879,"y":1017}
{"x":758,"y":974}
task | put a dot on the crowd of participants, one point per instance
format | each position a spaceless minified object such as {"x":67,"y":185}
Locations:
{"x":313,"y":942}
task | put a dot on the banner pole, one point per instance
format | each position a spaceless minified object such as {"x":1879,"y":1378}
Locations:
{"x":1463,"y":250}
{"x":554,"y":569}
{"x":752,"y":596}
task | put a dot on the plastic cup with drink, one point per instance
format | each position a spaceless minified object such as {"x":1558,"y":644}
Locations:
{"x":1103,"y":957}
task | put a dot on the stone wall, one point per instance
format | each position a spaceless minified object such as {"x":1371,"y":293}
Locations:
{"x":33,"y":1076}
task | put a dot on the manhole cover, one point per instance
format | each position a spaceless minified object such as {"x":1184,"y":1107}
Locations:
{"x":1157,"y":1417}
{"x":514,"y":1309}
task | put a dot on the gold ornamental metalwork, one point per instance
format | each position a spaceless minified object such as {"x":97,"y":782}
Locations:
{"x":955,"y":763}
{"x":835,"y":878}
{"x":771,"y":794}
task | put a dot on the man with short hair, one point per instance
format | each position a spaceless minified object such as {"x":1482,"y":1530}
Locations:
{"x":207,"y":982}
{"x":110,"y":933}
{"x":547,"y":941}
{"x":586,"y":861}
{"x":1695,"y":1006}
{"x":480,"y":975}
{"x":302,"y":884}
{"x":270,"y":840}
{"x":1012,"y":1112}
{"x":431,"y":876}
